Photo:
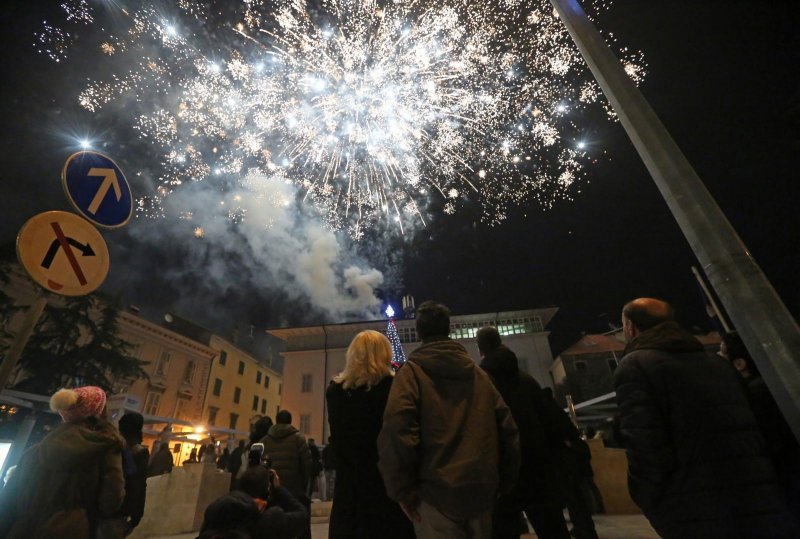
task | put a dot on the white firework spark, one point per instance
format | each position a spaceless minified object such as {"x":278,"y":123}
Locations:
{"x":369,"y":108}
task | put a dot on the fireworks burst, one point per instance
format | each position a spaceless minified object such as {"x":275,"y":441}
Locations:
{"x":370,"y":109}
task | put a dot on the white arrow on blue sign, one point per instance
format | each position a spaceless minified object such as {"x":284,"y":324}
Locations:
{"x":96,"y":186}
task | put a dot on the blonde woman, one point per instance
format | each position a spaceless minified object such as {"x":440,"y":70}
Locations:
{"x":356,"y":399}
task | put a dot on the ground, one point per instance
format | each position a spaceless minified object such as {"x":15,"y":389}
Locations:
{"x":608,"y":527}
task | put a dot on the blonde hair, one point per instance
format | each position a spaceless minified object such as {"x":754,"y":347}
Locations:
{"x":367,"y":361}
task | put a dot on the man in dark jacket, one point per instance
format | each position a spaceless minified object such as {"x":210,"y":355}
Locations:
{"x":288,"y":451}
{"x":696,"y":460}
{"x":537,"y":490}
{"x":448,"y":444}
{"x":135,"y":458}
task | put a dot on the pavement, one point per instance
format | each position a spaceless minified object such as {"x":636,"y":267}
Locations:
{"x":608,"y":527}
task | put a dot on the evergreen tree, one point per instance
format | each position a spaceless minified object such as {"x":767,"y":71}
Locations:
{"x":76,"y":342}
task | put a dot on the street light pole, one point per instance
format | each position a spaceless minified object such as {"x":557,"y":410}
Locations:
{"x":763,"y":321}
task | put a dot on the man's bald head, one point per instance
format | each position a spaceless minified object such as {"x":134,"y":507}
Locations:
{"x":644,"y":313}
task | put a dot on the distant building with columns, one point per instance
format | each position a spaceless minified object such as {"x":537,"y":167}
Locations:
{"x":315,"y":354}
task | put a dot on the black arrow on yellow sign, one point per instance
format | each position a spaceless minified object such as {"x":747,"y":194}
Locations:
{"x":53,"y":250}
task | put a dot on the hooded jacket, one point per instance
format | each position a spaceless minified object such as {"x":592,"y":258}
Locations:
{"x":696,"y":460}
{"x":288,"y":450}
{"x":447,"y":437}
{"x":540,"y":442}
{"x":65,"y":484}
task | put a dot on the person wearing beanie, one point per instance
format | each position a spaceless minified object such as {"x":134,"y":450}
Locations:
{"x":135,"y":458}
{"x":72,"y":479}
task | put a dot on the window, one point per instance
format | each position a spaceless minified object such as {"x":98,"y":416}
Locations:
{"x":266,"y":381}
{"x":151,"y":403}
{"x":237,"y":395}
{"x":305,"y":423}
{"x":223,"y":357}
{"x":217,"y":387}
{"x":280,"y":388}
{"x":306,"y":384}
{"x":581,"y":367}
{"x":258,"y":377}
{"x":188,"y":372}
{"x":255,"y":403}
{"x":163,"y":362}
{"x":180,"y":409}
{"x":212,"y":415}
{"x":241,"y":367}
{"x":263,"y":406}
{"x":234,"y":419}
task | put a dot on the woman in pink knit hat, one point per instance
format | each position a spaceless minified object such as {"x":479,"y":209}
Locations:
{"x":64,"y":485}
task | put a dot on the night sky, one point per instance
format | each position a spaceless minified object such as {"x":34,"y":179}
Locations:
{"x":722,"y":76}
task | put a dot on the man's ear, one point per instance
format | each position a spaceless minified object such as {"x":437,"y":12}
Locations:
{"x":740,"y":364}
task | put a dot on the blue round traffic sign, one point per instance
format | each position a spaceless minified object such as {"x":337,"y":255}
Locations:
{"x":96,"y":186}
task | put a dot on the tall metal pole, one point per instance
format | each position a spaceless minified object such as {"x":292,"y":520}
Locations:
{"x":766,"y":326}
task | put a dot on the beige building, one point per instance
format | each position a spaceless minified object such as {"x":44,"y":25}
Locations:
{"x":241,"y":389}
{"x":315,"y":354}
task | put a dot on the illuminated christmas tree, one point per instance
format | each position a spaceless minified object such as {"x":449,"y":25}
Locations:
{"x":398,"y":356}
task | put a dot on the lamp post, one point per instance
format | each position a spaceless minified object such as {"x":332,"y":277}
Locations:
{"x":763,"y":321}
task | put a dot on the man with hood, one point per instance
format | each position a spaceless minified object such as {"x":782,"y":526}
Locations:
{"x":697,"y":465}
{"x":288,"y":451}
{"x":537,"y":491}
{"x":448,"y":445}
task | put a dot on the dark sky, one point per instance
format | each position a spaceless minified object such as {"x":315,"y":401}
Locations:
{"x":723,"y":77}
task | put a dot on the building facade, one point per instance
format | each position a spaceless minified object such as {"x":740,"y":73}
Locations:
{"x":315,"y":354}
{"x":241,"y":389}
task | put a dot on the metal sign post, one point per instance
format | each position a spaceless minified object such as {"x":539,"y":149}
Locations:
{"x":763,"y":321}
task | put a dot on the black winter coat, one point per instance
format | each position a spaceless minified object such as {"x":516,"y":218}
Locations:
{"x":288,"y":451}
{"x":696,"y":460}
{"x":538,"y":482}
{"x":361,"y":507}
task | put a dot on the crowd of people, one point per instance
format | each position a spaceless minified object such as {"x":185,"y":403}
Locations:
{"x":449,"y":447}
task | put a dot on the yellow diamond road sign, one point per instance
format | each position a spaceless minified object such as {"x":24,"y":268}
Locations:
{"x":63,"y":252}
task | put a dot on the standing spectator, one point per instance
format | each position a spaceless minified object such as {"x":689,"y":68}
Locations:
{"x":329,"y":462}
{"x":135,"y":457}
{"x":162,"y":461}
{"x":210,"y":456}
{"x":782,"y":446}
{"x":192,"y":457}
{"x":224,"y":459}
{"x":316,"y":468}
{"x":70,"y":480}
{"x":235,"y":462}
{"x":696,"y":461}
{"x":291,"y":459}
{"x":356,"y":402}
{"x":258,"y":430}
{"x":537,"y":490}
{"x":448,"y":444}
